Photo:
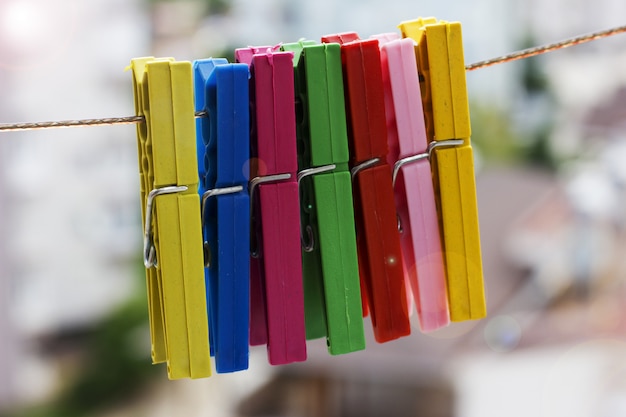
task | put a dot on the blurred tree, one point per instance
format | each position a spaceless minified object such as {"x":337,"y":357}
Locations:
{"x":537,"y":105}
{"x":523,"y":134}
{"x":217,"y":6}
{"x":112,"y":368}
{"x":494,"y":134}
{"x":212,"y":7}
{"x":533,"y":78}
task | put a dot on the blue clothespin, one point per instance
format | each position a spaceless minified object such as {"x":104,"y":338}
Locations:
{"x":223,"y":140}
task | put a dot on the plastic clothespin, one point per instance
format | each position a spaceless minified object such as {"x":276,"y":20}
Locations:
{"x":224,"y":142}
{"x":276,"y":262}
{"x":173,"y":241}
{"x":258,"y":307}
{"x":341,"y":38}
{"x":446,"y":110}
{"x":378,"y":240}
{"x":413,"y":184}
{"x":332,"y":309}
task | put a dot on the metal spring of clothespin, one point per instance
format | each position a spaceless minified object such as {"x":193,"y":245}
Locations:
{"x":149,"y":251}
{"x":205,"y":197}
{"x":310,"y":245}
{"x":426,"y":155}
{"x":252,"y":185}
{"x":420,"y":157}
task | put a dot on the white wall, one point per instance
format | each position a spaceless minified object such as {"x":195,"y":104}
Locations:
{"x":575,"y":380}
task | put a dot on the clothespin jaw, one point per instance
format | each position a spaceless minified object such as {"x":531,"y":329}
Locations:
{"x":384,"y":38}
{"x":329,"y":255}
{"x":276,"y":261}
{"x":450,"y":108}
{"x":378,"y":241}
{"x":444,"y":93}
{"x":202,"y":72}
{"x":324,"y":100}
{"x":246,"y":55}
{"x":173,"y":253}
{"x":224,"y":143}
{"x":341,"y":38}
{"x":414,"y":191}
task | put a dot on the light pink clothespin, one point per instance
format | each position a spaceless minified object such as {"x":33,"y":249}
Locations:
{"x":413,"y":185}
{"x":277,"y":297}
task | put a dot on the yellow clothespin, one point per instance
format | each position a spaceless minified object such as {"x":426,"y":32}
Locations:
{"x":444,"y":93}
{"x":171,"y":211}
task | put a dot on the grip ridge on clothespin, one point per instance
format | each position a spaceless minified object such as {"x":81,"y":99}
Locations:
{"x":276,"y":263}
{"x":173,"y":241}
{"x":224,"y":146}
{"x":444,"y":94}
{"x":378,"y":241}
{"x":329,"y":257}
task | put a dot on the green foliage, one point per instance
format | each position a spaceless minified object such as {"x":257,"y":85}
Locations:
{"x":113,"y":369}
{"x":212,"y":6}
{"x":504,"y":137}
{"x":228,"y":53}
{"x":218,"y":6}
{"x":533,"y":78}
{"x":494,"y":135}
{"x":537,"y":91}
{"x":539,"y":152}
{"x":114,"y":365}
{"x":500,"y":141}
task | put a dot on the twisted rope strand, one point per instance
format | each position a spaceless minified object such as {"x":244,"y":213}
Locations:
{"x":514,"y":56}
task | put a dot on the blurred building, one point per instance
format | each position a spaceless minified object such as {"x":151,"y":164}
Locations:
{"x":69,"y":214}
{"x":8,"y":346}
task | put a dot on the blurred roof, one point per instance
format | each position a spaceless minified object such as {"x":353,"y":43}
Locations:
{"x":607,"y":116}
{"x":504,"y":194}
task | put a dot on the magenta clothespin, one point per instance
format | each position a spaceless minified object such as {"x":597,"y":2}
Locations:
{"x":276,"y":264}
{"x":413,"y":185}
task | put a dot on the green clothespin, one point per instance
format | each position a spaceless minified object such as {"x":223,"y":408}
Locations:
{"x":329,"y":256}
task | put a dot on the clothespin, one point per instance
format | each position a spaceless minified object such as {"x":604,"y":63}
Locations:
{"x":170,"y":207}
{"x":378,"y":240}
{"x":329,"y":243}
{"x":224,"y":142}
{"x":276,"y":261}
{"x":341,"y":38}
{"x":414,"y":192}
{"x":258,"y":305}
{"x":446,"y":110}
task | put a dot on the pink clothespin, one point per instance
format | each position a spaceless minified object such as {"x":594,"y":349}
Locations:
{"x":413,"y":185}
{"x":277,"y":298}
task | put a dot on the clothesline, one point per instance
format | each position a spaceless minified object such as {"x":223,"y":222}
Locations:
{"x":514,"y":56}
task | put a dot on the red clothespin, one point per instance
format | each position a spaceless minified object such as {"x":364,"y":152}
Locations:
{"x":378,"y":241}
{"x":276,"y":265}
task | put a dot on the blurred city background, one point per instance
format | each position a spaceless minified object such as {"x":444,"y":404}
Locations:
{"x":549,"y":135}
